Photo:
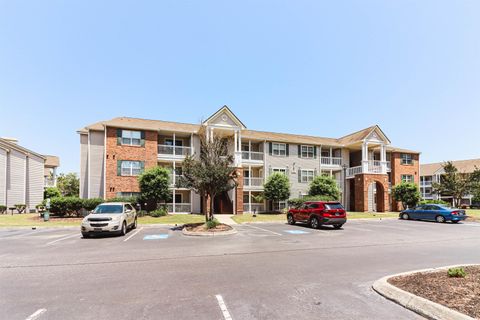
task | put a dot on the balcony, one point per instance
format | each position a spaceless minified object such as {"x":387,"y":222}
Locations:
{"x":179,"y":207}
{"x":251,"y":156}
{"x":253,"y":183}
{"x":369,"y":167}
{"x":253,"y":207}
{"x":174,"y":179}
{"x":331,"y":161}
{"x":171,"y":152}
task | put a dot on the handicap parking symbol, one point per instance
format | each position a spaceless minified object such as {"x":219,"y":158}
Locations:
{"x":296,"y":231}
{"x":156,"y":237}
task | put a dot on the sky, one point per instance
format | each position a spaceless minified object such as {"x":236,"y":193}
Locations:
{"x":323,"y":68}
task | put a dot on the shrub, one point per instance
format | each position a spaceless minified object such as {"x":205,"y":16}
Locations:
{"x":457,"y":273}
{"x":3,"y":209}
{"x":20,"y":207}
{"x":62,"y":206}
{"x":407,"y":193}
{"x":298,"y":202}
{"x":132,"y":200}
{"x":90,"y":204}
{"x":51,"y":192}
{"x":212,"y":224}
{"x":160,"y":212}
{"x":277,"y":187}
{"x":423,"y":202}
{"x":326,"y":186}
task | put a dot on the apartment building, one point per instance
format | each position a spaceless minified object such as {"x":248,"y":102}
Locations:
{"x":364,"y":164}
{"x":22,"y":174}
{"x":432,"y":173}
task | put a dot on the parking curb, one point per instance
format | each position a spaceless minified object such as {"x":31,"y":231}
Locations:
{"x":185,"y":232}
{"x":422,"y":306}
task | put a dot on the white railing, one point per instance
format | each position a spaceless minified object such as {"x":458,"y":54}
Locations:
{"x":426,"y":183}
{"x":252,"y":182}
{"x":252,"y":156}
{"x":165,"y":150}
{"x":253,"y":207}
{"x":389,"y":165}
{"x":370,"y":166}
{"x":353,"y":171}
{"x":374,"y":166}
{"x":179,"y":207}
{"x":331,"y":161}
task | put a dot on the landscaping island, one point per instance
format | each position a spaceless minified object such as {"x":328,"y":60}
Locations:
{"x":211,"y":228}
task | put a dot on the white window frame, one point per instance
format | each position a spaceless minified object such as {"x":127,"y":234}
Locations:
{"x":279,"y":149}
{"x":279,"y":205}
{"x":280,"y":170}
{"x":131,"y":168}
{"x":127,"y":194}
{"x":407,"y":159}
{"x":131,"y":137}
{"x":307,"y":152}
{"x":307,"y":175}
{"x":178,"y":142}
{"x":407,"y":178}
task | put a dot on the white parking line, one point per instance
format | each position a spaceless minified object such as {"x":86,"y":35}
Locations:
{"x":37,"y":314}
{"x":276,"y":233}
{"x":223,"y":307}
{"x":64,"y":238}
{"x":358,"y":229}
{"x":133,"y":234}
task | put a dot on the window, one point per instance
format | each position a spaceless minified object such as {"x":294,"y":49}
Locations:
{"x":407,"y":178}
{"x":279,"y":149}
{"x":131,"y":138}
{"x":279,"y":170}
{"x":178,"y":198}
{"x":313,"y":206}
{"x":307,"y":176}
{"x":178,"y":143}
{"x":407,"y":159}
{"x":127,"y":194}
{"x":308,"y":152}
{"x":279,"y":205}
{"x":131,"y":168}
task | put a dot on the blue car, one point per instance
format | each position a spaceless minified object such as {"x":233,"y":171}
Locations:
{"x":434,"y":212}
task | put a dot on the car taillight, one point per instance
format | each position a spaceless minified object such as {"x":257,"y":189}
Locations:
{"x":455,"y":213}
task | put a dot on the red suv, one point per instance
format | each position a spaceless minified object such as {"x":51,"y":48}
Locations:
{"x":318,"y":213}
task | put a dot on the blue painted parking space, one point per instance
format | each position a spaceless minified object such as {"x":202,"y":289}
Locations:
{"x":296,"y":232}
{"x":156,"y":237}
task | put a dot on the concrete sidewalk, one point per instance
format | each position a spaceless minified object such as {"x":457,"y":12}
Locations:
{"x":225,"y":219}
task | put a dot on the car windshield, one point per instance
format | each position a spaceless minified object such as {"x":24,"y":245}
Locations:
{"x":108,"y":208}
{"x":333,"y":206}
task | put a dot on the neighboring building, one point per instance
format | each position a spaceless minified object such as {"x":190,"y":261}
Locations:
{"x":431,"y":173}
{"x":21,"y":175}
{"x":365,"y":165}
{"x":50,"y":173}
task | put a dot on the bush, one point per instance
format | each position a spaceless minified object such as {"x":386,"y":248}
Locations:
{"x":298,"y":202}
{"x":51,"y":192}
{"x":457,"y":273}
{"x":277,"y":187}
{"x":20,"y":207}
{"x":132,"y":200}
{"x":212,"y":224}
{"x":90,"y":204}
{"x":423,"y":202}
{"x":326,"y":186}
{"x":161,"y":212}
{"x":3,"y":209}
{"x":407,"y":193}
{"x":62,"y":206}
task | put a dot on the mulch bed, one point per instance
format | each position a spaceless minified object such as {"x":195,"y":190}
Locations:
{"x":201,"y":227}
{"x":460,"y":294}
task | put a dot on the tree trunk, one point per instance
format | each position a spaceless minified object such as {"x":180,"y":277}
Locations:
{"x":212,"y":207}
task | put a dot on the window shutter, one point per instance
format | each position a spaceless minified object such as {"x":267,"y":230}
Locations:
{"x":300,"y":175}
{"x":287,"y":147}
{"x":119,"y":167}
{"x":119,"y":137}
{"x":270,"y":171}
{"x":270,"y":148}
{"x":315,"y":152}
{"x":299,"y":151}
{"x":142,"y":166}
{"x":142,"y":140}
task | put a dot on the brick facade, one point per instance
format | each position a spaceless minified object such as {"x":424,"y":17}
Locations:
{"x":362,"y":182}
{"x":239,"y":192}
{"x":114,"y":152}
{"x":399,"y":169}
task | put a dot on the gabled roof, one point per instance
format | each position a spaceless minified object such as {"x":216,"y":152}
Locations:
{"x":363,"y":134}
{"x":230,"y":113}
{"x":464,"y":166}
{"x":10,"y":145}
{"x":142,"y":124}
{"x":52,"y":161}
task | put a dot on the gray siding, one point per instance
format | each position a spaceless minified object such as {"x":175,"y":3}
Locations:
{"x":16,"y":179}
{"x":3,"y":176}
{"x":97,"y":164}
{"x":84,"y":166}
{"x":35,"y":185}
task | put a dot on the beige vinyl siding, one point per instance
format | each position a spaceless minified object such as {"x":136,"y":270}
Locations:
{"x":35,"y":184}
{"x":3,"y":176}
{"x":97,"y":165}
{"x":16,"y":179}
{"x":84,"y":166}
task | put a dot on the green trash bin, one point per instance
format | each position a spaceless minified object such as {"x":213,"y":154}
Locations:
{"x":46,"y":216}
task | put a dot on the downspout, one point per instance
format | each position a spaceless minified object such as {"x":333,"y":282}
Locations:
{"x":88,"y":165}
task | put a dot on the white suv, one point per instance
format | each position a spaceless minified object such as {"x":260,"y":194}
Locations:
{"x":115,"y":217}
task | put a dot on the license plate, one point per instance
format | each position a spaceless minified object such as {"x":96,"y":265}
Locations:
{"x":337,"y":214}
{"x":97,"y":229}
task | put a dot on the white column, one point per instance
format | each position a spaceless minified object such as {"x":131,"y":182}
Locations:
{"x":236,"y":141}
{"x":174,"y":144}
{"x":249,"y":149}
{"x":174,"y":180}
{"x":239,"y":140}
{"x":250,"y":177}
{"x":383,"y":158}
{"x":320,"y":158}
{"x":331,"y":156}
{"x":365,"y":157}
{"x":191,"y":144}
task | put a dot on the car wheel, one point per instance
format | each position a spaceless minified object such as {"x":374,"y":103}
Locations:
{"x":85,"y":235}
{"x":337,"y":226}
{"x":135,"y":224}
{"x":314,"y":223}
{"x":290,"y":219}
{"x":440,"y":219}
{"x":405,"y":216}
{"x":123,"y":231}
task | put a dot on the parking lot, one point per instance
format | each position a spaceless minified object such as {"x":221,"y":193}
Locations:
{"x":265,"y":271}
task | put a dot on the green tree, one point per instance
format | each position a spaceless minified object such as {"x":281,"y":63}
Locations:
{"x":211,"y":174}
{"x":453,"y":183}
{"x":155,"y":185}
{"x":51,"y":192}
{"x":407,"y":193}
{"x":325,"y":186}
{"x":68,"y":184}
{"x":277,"y":187}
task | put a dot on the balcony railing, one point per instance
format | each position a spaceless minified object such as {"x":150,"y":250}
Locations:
{"x":179,"y":207}
{"x":172,"y":181}
{"x":252,"y":156}
{"x":253,"y":207}
{"x":331,"y":161}
{"x":172,"y":151}
{"x":369,"y":167}
{"x":252,"y":182}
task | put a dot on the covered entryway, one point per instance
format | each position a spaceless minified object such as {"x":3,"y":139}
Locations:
{"x":370,"y":192}
{"x":376,"y":197}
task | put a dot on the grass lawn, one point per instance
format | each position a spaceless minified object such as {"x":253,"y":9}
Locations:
{"x":474,"y":215}
{"x":33,"y":220}
{"x":371,"y":215}
{"x":173,"y":219}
